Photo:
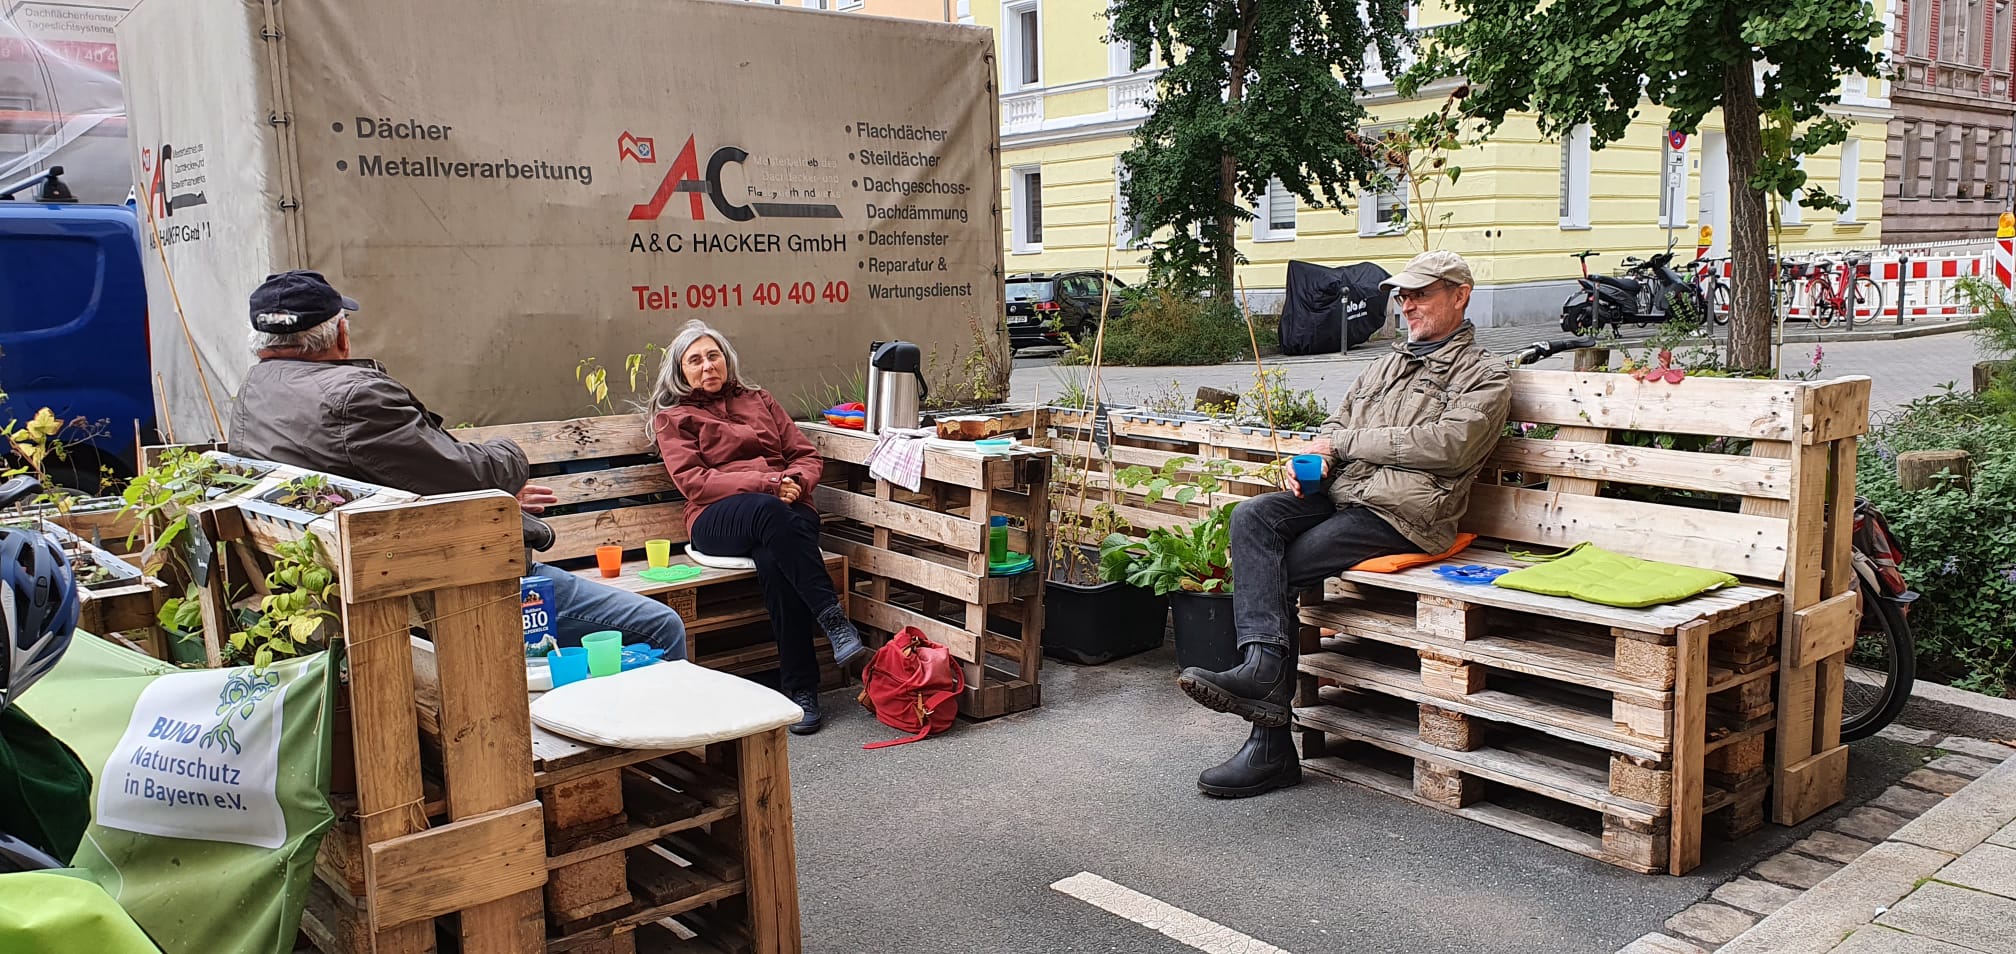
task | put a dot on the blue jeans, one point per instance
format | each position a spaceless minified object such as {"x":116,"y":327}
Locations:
{"x":589,"y":607}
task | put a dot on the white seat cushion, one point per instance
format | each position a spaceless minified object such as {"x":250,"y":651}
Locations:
{"x":672,"y":705}
{"x":720,"y":562}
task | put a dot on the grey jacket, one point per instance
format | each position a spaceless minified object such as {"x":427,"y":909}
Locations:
{"x":351,"y":419}
{"x":1411,"y":434}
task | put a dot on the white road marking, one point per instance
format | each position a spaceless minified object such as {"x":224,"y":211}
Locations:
{"x":1180,"y":925}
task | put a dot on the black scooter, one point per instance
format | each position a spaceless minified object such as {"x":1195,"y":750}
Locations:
{"x":1649,"y":292}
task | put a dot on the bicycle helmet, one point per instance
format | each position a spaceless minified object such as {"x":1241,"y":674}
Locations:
{"x":38,"y":604}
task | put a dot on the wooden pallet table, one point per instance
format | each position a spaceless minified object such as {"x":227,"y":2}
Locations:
{"x":920,"y":558}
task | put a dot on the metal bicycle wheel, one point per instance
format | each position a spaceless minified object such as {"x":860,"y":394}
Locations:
{"x":1880,"y":668}
{"x":1720,"y":302}
{"x":1868,"y":298}
{"x":1823,"y":306}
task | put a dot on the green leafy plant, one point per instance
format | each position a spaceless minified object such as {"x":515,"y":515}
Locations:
{"x":1959,"y":544}
{"x":977,"y":374}
{"x":158,"y":501}
{"x":312,"y":493}
{"x":1416,"y":154}
{"x":1995,"y":336}
{"x":1271,"y":399}
{"x":301,"y":588}
{"x":1195,"y":558}
{"x":594,"y":378}
{"x":41,"y":442}
{"x":1164,"y":326}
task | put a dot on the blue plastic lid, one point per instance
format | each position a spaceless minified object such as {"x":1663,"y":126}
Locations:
{"x":997,"y":521}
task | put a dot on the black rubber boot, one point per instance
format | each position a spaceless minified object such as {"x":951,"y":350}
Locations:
{"x":808,"y":701}
{"x":1257,"y":690}
{"x":847,"y":646}
{"x":1266,"y":762}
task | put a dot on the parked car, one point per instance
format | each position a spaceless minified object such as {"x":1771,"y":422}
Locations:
{"x":1041,"y":308}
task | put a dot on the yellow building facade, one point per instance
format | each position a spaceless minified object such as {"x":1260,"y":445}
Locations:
{"x":1070,"y":104}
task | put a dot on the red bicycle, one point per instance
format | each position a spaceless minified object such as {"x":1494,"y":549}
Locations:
{"x":1841,"y":293}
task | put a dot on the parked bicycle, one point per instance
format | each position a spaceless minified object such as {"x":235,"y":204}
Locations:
{"x":1714,"y":288}
{"x":1840,"y":293}
{"x":1883,"y":663}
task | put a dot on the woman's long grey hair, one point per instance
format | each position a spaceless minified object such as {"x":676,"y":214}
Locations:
{"x":672,"y":387}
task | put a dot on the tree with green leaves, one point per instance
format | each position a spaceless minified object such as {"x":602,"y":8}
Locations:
{"x":1253,"y":91}
{"x":1772,"y":69}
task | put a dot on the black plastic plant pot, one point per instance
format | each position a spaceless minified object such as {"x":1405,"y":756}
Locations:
{"x":1205,"y":636}
{"x":1096,"y":624}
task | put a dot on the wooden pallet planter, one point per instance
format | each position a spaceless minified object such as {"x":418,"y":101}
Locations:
{"x":116,"y":596}
{"x":444,"y":841}
{"x":920,"y":558}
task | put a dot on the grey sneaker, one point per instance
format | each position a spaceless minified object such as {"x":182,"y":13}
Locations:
{"x":847,"y":645}
{"x":808,"y":701}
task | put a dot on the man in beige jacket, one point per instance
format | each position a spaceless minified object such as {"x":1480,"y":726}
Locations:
{"x":1400,"y":453}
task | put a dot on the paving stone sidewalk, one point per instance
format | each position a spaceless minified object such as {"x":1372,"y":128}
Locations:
{"x":1928,"y":867}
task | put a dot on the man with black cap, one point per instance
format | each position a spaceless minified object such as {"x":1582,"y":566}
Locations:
{"x":308,"y":403}
{"x":1399,"y":455}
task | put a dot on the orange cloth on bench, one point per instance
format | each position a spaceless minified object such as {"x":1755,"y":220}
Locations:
{"x":1394,"y":563}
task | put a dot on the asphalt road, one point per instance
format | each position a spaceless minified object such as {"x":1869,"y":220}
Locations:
{"x":950,"y":845}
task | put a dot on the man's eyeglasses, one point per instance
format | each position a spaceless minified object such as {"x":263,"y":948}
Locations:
{"x":1420,"y":294}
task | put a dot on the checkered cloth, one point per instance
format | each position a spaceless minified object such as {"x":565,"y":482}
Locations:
{"x":898,"y":456}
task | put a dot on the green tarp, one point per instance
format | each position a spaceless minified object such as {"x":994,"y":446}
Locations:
{"x":210,"y":789}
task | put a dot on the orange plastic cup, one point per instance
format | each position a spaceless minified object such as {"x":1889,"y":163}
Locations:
{"x":609,"y":560}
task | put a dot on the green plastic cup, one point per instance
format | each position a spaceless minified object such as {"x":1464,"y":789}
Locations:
{"x":605,"y":652}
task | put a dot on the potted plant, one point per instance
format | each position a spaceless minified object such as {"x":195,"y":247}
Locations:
{"x":1089,"y":620}
{"x":1191,"y":565}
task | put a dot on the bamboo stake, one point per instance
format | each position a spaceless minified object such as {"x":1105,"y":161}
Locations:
{"x":1260,"y":372}
{"x":176,"y":297}
{"x":1092,"y":391}
{"x":167,"y":421}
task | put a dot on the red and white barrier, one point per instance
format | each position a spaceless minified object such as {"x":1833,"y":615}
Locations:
{"x":1927,"y":276}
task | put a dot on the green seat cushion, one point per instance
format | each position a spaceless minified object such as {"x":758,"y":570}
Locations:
{"x":1598,"y":576}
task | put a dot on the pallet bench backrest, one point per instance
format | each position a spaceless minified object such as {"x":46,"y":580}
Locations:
{"x":1790,"y":440}
{"x":603,"y":460}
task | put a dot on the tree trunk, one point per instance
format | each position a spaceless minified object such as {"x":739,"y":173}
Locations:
{"x":1919,"y":470}
{"x":1226,"y":250}
{"x":1750,"y":314}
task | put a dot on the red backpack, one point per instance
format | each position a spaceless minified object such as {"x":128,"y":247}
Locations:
{"x":912,"y":685}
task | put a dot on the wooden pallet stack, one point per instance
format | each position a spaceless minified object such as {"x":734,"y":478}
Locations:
{"x":920,"y":558}
{"x":1572,"y":725}
{"x":461,"y":827}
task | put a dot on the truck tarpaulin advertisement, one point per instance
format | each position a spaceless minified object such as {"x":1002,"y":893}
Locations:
{"x":509,"y":190}
{"x":60,"y":102}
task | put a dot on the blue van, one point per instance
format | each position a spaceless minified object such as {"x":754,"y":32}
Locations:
{"x":73,"y":323}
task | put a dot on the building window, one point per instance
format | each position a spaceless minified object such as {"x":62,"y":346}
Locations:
{"x":1673,"y":185}
{"x":1918,"y":14}
{"x":1127,"y":230}
{"x":1274,"y":214}
{"x":1574,"y":186}
{"x":1849,"y":187}
{"x":1025,"y":44}
{"x":1026,"y":200}
{"x":1382,"y":208}
{"x":1960,"y":32}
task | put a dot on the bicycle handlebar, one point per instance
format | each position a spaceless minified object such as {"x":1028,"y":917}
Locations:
{"x":1540,"y":350}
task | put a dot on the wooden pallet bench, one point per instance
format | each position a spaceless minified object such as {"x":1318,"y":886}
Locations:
{"x":1657,"y":724}
{"x":919,"y":558}
{"x":614,"y":490}
{"x":1669,"y":713}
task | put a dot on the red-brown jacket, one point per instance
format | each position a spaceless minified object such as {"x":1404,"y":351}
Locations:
{"x":734,"y":441}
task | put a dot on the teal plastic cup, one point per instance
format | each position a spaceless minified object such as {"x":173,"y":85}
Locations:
{"x":567,"y":664}
{"x":605,"y":652}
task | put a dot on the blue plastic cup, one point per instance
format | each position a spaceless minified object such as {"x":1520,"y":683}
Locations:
{"x":1308,"y":469}
{"x":568,"y":664}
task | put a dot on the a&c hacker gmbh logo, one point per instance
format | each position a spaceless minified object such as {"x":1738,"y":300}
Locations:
{"x":635,"y":147}
{"x":685,"y":175}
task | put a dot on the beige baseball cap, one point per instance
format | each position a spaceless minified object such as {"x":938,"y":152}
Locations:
{"x":1428,"y":268}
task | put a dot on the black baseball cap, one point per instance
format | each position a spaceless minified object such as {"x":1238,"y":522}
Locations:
{"x":296,"y":301}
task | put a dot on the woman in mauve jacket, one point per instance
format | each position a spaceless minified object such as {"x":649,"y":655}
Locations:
{"x":747,"y":473}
